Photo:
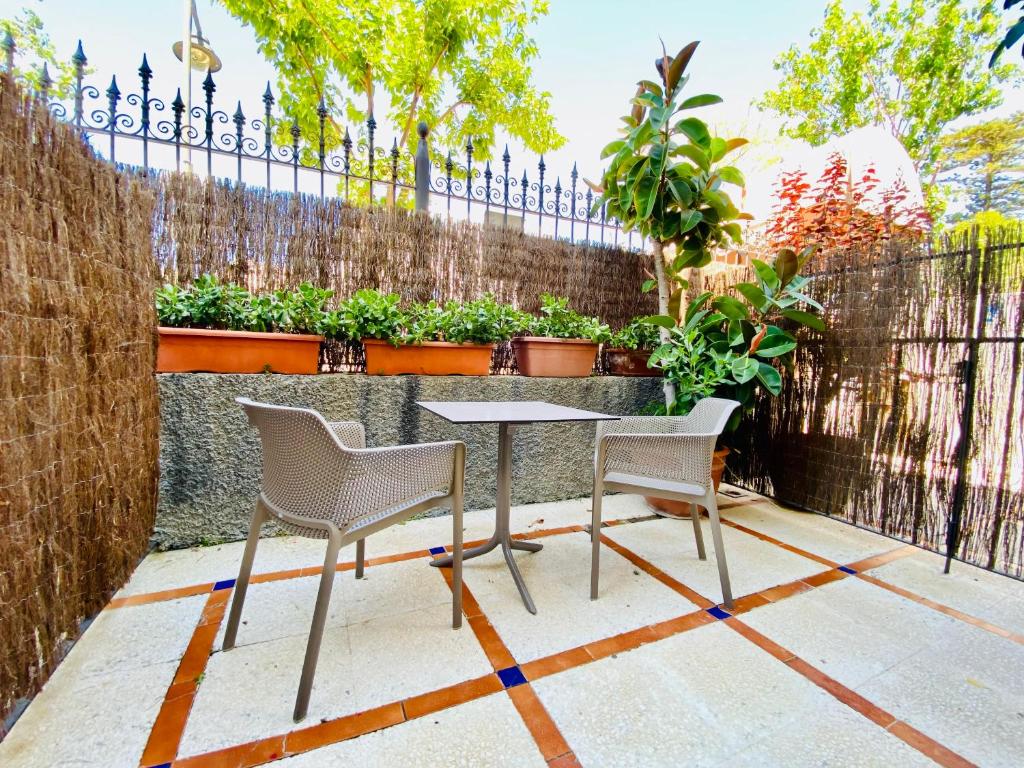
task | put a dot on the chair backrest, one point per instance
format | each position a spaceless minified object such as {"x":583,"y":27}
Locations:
{"x":710,"y":415}
{"x":304,"y":465}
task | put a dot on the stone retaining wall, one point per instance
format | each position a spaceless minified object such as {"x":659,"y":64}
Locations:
{"x":210,"y":458}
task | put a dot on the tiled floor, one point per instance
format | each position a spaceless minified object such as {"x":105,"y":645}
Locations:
{"x":844,"y":648}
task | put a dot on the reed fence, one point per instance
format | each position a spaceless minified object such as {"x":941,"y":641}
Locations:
{"x":906,"y":416}
{"x":78,"y":405}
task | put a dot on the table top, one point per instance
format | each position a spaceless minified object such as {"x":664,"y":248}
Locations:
{"x":509,"y":412}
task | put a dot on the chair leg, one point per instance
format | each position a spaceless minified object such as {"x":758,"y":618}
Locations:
{"x":360,"y":557}
{"x":698,"y":534}
{"x":716,"y":534}
{"x":595,"y":536}
{"x":457,"y":561}
{"x":244,"y":572}
{"x":316,"y":630}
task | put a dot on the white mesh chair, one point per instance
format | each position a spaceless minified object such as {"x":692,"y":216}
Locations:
{"x":320,"y":481}
{"x":667,"y":457}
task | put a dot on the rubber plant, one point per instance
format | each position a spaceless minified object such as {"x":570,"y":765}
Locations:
{"x":732,"y":345}
{"x":665,"y":180}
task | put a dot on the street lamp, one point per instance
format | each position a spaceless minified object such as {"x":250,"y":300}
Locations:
{"x":194,"y":52}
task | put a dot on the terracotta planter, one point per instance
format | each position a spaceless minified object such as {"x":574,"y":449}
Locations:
{"x":629,"y":362}
{"x":673,"y":508}
{"x":541,"y":356}
{"x":194,"y":350}
{"x":431,"y":358}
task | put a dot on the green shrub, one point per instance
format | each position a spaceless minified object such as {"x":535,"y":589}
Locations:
{"x":209,"y":303}
{"x":558,"y":321}
{"x":483,"y":321}
{"x":638,"y":334}
{"x":369,"y":314}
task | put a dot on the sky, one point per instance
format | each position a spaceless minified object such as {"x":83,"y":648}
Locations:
{"x":592,"y":52}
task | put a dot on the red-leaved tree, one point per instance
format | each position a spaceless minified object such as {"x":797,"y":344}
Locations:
{"x":837,"y":211}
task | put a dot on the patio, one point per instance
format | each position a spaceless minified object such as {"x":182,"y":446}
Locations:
{"x":812,"y":667}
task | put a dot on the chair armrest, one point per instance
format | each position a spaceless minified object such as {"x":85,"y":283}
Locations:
{"x":350,"y":433}
{"x":674,"y":457}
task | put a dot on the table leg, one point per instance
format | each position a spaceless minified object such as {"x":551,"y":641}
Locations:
{"x":502,"y":535}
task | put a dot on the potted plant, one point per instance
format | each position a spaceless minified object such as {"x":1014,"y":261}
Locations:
{"x":428,"y":339}
{"x":218,"y":327}
{"x":560,"y":341}
{"x":629,"y":349}
{"x":734,"y":346}
{"x":665,"y":179}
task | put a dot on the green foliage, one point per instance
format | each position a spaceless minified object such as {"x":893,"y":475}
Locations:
{"x":370,"y":314}
{"x":463,"y":66}
{"x":33,"y":48}
{"x":910,"y":66}
{"x":483,"y":321}
{"x":558,"y":321}
{"x":665,"y":177}
{"x":986,"y":163}
{"x":693,"y":364}
{"x":1013,"y":34}
{"x":733,"y":345}
{"x":637,"y":334}
{"x":209,"y":303}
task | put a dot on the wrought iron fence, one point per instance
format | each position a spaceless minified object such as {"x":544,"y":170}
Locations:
{"x":357,"y":168}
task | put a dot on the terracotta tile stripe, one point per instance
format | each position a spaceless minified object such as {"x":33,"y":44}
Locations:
{"x":460,"y":693}
{"x":868,"y":563}
{"x":157,"y":597}
{"x":542,"y":727}
{"x":928,"y":746}
{"x":165,"y":735}
{"x":556,"y":662}
{"x":942,"y":608}
{"x":343,"y":728}
{"x":239,"y":756}
{"x":906,"y":733}
{"x":564,"y":761}
{"x":886,"y":557}
{"x":781,"y":544}
{"x":652,"y":570}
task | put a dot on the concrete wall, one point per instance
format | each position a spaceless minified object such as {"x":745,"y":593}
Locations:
{"x":210,"y":458}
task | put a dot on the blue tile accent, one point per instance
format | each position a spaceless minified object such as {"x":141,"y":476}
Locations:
{"x":437,"y":550}
{"x":162,"y":765}
{"x":226,"y":584}
{"x":718,"y":613}
{"x":844,"y":569}
{"x":511,"y":677}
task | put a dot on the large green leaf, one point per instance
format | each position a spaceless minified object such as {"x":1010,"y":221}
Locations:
{"x":695,"y":306}
{"x":805,"y":318}
{"x":754,"y":295}
{"x":786,"y":266}
{"x":645,"y":196}
{"x":702,"y":100}
{"x":731,"y":308}
{"x":695,"y":130}
{"x":744,"y":369}
{"x":695,"y":153}
{"x":689,"y":220}
{"x":806,"y":299}
{"x":663,"y":321}
{"x":766,"y":273}
{"x":731,"y":175}
{"x":612,"y":148}
{"x":681,"y":191}
{"x":770,"y":377}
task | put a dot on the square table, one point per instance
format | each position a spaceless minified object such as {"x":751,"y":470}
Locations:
{"x":507,"y":415}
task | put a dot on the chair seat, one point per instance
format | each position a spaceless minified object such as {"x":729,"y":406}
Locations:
{"x":370,"y":521}
{"x":655,"y":484}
